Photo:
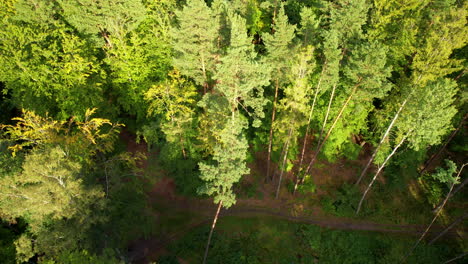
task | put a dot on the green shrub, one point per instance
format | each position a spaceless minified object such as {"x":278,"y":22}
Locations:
{"x":308,"y":186}
{"x":344,"y":203}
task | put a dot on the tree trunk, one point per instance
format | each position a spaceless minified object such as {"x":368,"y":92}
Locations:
{"x":270,"y":140}
{"x":309,"y":120}
{"x":435,"y":217}
{"x":319,"y":147}
{"x":429,"y":161}
{"x":459,"y":187}
{"x":211,"y":231}
{"x":454,"y":223}
{"x":381,"y":142}
{"x":285,"y":156}
{"x":378,"y":172}
{"x":457,"y":257}
{"x":326,"y":116}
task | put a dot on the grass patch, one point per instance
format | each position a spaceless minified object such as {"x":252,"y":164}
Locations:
{"x":269,"y":240}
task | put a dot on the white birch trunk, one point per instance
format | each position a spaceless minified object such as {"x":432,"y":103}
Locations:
{"x":435,"y":217}
{"x":378,"y":172}
{"x":286,"y":148}
{"x":381,"y":142}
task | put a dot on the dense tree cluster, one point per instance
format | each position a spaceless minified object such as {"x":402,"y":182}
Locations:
{"x":209,"y":83}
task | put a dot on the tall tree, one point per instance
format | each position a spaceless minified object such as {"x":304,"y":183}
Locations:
{"x":174,"y":100}
{"x":278,"y":46}
{"x":53,"y":186}
{"x":294,"y":107}
{"x":140,"y":56}
{"x":239,"y":81}
{"x":194,"y":42}
{"x":344,"y":36}
{"x":43,"y":60}
{"x":419,"y":123}
{"x":365,"y":76}
{"x":443,"y":177}
{"x":439,"y":37}
{"x":102,"y":19}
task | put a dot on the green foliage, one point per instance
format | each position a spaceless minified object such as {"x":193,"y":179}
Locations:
{"x":445,"y":175}
{"x":194,"y":41}
{"x":174,"y":101}
{"x":107,"y":17}
{"x":24,"y":249}
{"x":66,"y":179}
{"x":435,"y":184}
{"x":140,"y":57}
{"x":48,"y":186}
{"x":7,"y":248}
{"x":84,"y":257}
{"x":228,"y":166}
{"x":240,"y":77}
{"x":79,"y":139}
{"x":184,"y":171}
{"x":308,"y":187}
{"x":337,"y":246}
{"x":425,"y":125}
{"x":343,"y":202}
{"x":442,"y":32}
{"x":43,"y":61}
{"x":279,"y":45}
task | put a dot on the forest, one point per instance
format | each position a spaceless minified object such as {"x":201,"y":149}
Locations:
{"x":233,"y":131}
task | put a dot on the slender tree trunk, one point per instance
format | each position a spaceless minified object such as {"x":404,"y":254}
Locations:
{"x":457,"y":257}
{"x":429,"y":161}
{"x":381,"y":142}
{"x":459,"y":187}
{"x":435,"y":217}
{"x":378,"y":172}
{"x":211,"y":231}
{"x":309,"y":121}
{"x":319,"y":147}
{"x":285,"y":156}
{"x":270,"y":140}
{"x":326,"y":115}
{"x":454,"y":223}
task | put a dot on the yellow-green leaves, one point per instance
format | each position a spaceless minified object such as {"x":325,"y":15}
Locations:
{"x":32,"y":130}
{"x":173,"y":97}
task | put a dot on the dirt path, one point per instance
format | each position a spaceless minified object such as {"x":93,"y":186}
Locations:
{"x":147,"y":250}
{"x":163,"y":194}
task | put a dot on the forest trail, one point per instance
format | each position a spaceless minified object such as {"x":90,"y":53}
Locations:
{"x":162,"y":195}
{"x":147,"y":250}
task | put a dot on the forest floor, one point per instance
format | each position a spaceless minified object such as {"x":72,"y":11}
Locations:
{"x":176,"y":215}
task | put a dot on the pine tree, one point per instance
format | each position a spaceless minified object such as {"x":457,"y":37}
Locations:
{"x":239,"y":85}
{"x":431,"y":61}
{"x":101,"y":19}
{"x":194,"y":42}
{"x":278,"y":47}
